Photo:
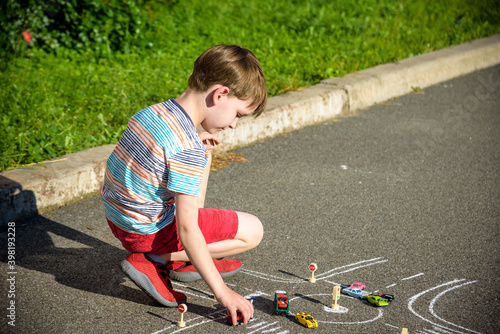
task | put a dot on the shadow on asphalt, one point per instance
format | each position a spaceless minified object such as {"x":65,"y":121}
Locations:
{"x":292,"y":274}
{"x":312,"y":300}
{"x":93,"y":267}
{"x":15,"y":202}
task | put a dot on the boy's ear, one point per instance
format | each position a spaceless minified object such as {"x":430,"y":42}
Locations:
{"x":219,"y":93}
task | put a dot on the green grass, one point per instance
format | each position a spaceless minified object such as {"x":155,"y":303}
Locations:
{"x":55,"y":104}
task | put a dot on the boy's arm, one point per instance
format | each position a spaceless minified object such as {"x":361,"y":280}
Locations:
{"x":196,"y":249}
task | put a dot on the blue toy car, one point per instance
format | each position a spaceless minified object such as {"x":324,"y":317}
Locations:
{"x":356,"y":293}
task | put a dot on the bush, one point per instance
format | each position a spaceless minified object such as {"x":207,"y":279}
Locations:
{"x":105,"y":26}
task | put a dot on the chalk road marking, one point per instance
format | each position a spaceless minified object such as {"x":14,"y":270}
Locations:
{"x":431,"y":305}
{"x":196,"y":324}
{"x":404,"y":279}
{"x":263,"y":325}
{"x":412,"y":277}
{"x":351,"y":269}
{"x":256,"y":294}
{"x":274,"y":330}
{"x":350,"y":265}
{"x":257,"y":327}
{"x":321,"y":276}
{"x":271,"y":277}
{"x":214,"y":316}
{"x":204,"y":296}
{"x":341,"y":309}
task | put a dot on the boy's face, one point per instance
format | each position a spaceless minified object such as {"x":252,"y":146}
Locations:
{"x":226,"y":113}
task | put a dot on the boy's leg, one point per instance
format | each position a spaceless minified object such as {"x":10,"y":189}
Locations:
{"x":149,"y":275}
{"x":248,"y":235}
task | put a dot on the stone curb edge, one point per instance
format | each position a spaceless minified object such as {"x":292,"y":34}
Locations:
{"x":28,"y":191}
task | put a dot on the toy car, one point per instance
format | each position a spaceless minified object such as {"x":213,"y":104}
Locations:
{"x":281,"y":302}
{"x":306,"y":319}
{"x":239,"y":318}
{"x":357,"y":285}
{"x":377,"y":300}
{"x":356,"y":293}
{"x":389,"y":298}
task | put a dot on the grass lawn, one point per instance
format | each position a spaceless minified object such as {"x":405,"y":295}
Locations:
{"x":66,"y":101}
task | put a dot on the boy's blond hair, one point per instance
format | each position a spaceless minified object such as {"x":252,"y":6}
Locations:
{"x":234,"y":67}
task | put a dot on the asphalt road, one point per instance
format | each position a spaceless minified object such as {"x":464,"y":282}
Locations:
{"x":404,"y":197}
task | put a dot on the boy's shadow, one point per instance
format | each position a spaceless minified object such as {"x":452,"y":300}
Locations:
{"x":93,"y":268}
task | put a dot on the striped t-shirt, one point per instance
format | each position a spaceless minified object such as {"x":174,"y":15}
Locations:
{"x":159,"y":154}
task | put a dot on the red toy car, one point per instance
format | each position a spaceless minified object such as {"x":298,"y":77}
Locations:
{"x":281,"y":302}
{"x":239,"y":318}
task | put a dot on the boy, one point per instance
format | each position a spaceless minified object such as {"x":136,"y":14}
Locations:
{"x":156,"y":180}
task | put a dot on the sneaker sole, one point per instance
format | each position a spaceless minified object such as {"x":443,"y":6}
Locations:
{"x":143,"y":282}
{"x":190,"y":276}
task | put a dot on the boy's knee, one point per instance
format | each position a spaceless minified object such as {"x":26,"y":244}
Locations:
{"x":257,"y":231}
{"x":251,"y":229}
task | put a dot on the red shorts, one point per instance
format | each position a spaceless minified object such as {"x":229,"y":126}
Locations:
{"x":215,"y":224}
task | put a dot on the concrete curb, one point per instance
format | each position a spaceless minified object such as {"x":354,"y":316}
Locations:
{"x":28,"y":191}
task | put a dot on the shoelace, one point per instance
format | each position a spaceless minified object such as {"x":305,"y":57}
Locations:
{"x":162,"y":268}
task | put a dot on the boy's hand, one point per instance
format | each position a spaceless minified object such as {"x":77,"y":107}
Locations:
{"x":209,"y":140}
{"x":234,"y":302}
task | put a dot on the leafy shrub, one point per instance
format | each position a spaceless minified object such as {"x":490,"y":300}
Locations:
{"x":102,"y":25}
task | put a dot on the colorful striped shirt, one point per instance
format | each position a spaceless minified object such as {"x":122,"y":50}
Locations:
{"x":159,"y":154}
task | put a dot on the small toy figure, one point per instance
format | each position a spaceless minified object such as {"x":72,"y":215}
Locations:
{"x":306,"y":319}
{"x":336,"y":297}
{"x":313,"y":267}
{"x":182,"y":308}
{"x":281,"y":302}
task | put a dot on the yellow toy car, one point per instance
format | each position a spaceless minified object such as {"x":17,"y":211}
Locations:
{"x":306,"y":319}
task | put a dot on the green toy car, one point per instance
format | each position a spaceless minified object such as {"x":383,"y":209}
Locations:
{"x":281,"y":302}
{"x":377,"y":300}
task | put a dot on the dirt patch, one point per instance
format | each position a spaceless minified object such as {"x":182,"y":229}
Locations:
{"x":221,"y":160}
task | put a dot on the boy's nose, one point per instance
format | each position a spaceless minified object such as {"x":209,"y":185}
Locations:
{"x":233,"y":125}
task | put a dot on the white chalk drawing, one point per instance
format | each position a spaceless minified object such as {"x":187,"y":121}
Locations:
{"x":341,"y":309}
{"x":195,"y":324}
{"x":403,"y":279}
{"x":319,"y":277}
{"x":269,"y":324}
{"x":413,"y":299}
{"x":412,"y":277}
